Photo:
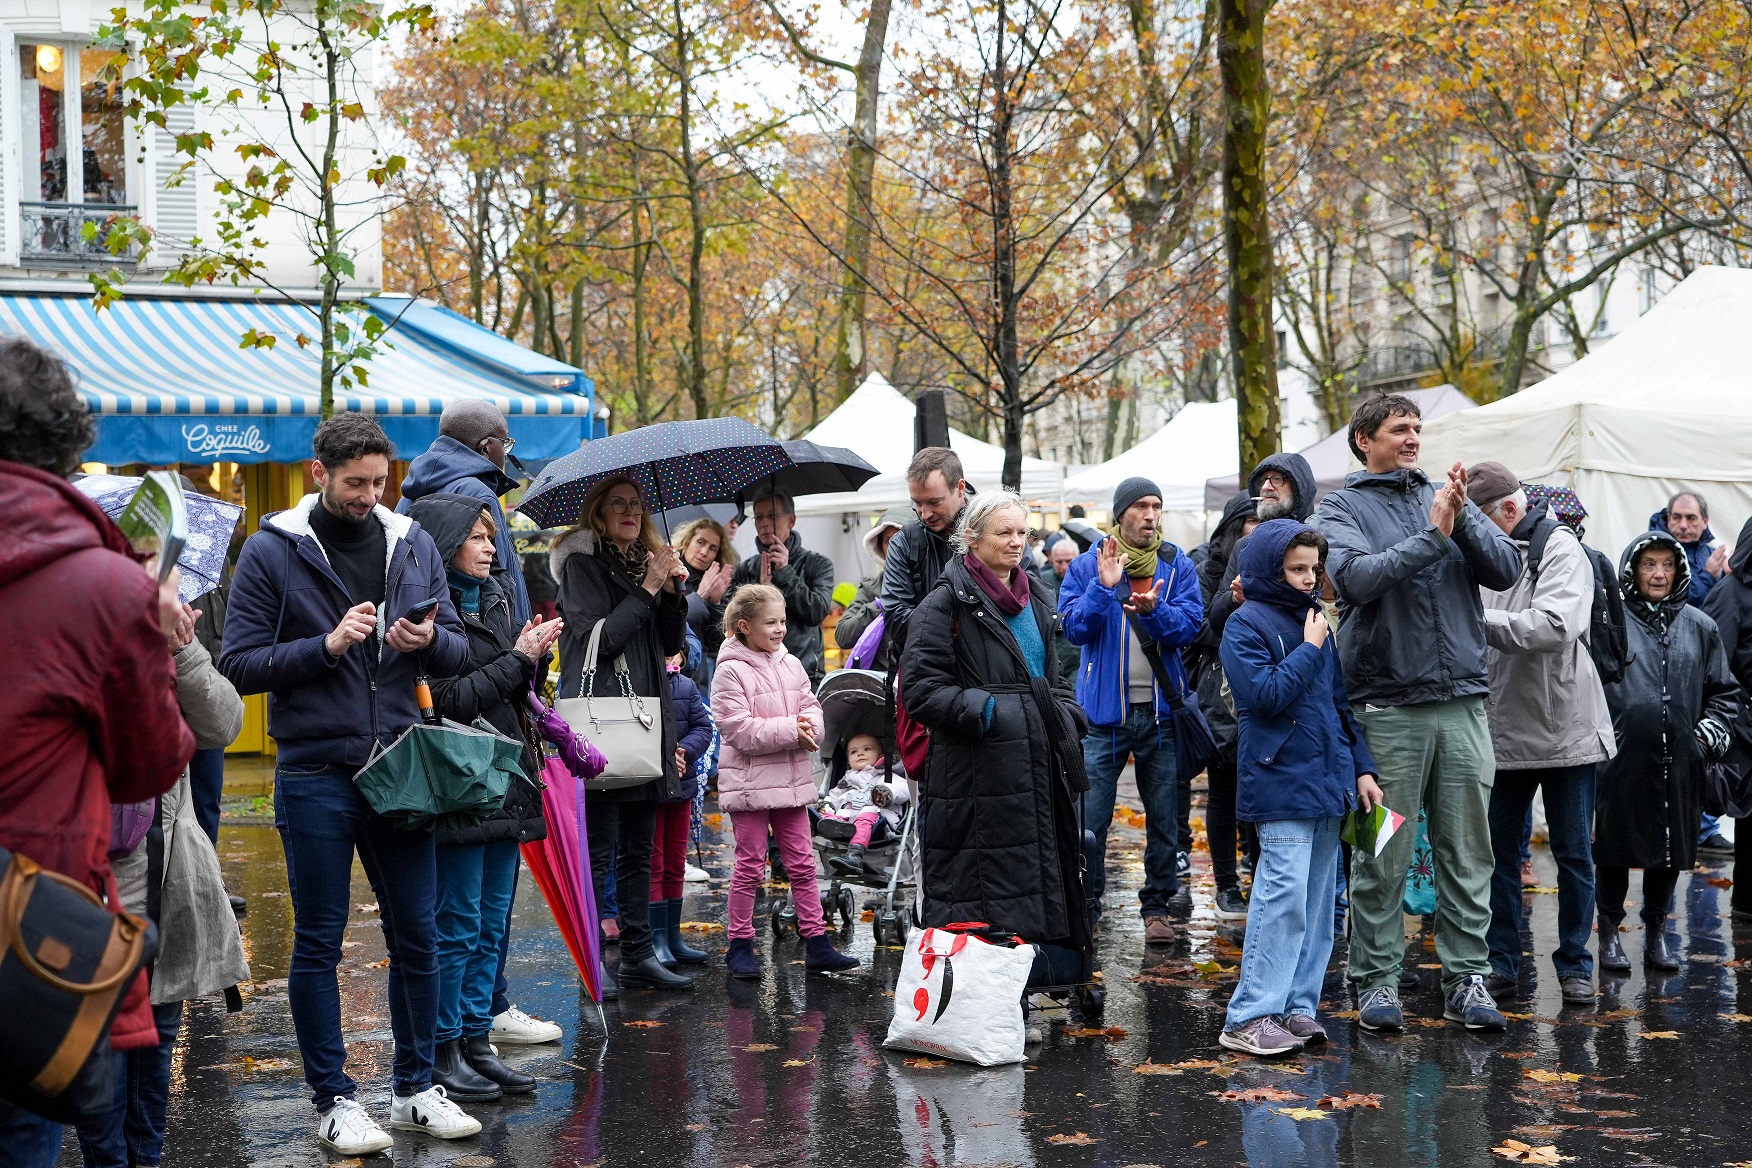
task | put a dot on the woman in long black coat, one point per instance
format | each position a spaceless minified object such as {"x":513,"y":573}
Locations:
{"x":1671,"y":714}
{"x":999,"y":837}
{"x":613,"y":568}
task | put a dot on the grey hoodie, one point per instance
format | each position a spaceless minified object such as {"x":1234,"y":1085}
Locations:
{"x":1413,"y":620}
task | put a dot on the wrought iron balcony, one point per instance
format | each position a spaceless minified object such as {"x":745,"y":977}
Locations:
{"x":52,"y":234}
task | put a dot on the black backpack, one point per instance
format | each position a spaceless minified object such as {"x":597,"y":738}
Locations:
{"x":1608,"y":640}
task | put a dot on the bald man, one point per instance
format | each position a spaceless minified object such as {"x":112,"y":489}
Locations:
{"x":468,"y":459}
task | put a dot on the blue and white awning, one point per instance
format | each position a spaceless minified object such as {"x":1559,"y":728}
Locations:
{"x":169,"y":382}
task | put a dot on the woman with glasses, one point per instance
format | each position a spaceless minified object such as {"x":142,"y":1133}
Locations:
{"x":614,"y":570}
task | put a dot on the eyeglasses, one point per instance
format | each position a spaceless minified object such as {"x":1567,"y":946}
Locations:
{"x":625,"y":506}
{"x":1275,"y":479}
{"x":506,"y":443}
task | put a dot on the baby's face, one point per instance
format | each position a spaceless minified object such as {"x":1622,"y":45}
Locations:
{"x":863,"y":752}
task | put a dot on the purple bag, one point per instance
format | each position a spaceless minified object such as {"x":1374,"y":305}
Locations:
{"x":129,"y":825}
{"x":863,"y":654}
{"x":576,"y":751}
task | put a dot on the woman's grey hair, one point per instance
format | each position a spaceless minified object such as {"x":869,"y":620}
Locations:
{"x":980,"y":513}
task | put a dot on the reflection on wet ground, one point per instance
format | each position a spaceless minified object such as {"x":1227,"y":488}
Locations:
{"x":791,"y":1070}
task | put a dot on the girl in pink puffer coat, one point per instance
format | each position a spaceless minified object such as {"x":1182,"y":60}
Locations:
{"x":769,"y":723}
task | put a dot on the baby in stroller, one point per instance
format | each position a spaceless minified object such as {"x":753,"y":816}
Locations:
{"x":862,"y":798}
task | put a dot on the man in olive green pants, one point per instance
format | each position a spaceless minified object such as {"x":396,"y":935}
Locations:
{"x":1407,"y":558}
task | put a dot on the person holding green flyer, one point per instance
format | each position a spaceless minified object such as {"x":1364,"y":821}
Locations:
{"x":1302,"y":765}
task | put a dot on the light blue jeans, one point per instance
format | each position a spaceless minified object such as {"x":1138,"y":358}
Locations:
{"x":1289,"y":920}
{"x":475,"y":883}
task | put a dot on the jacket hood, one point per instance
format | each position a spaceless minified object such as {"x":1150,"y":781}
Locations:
{"x":1740,"y":563}
{"x":580,"y":540}
{"x":1236,"y":511}
{"x":446,"y":461}
{"x":1399,"y":479}
{"x":1678,"y":597}
{"x":892,"y":520}
{"x":1262,"y":566}
{"x":447,"y":519}
{"x":1658,"y":522}
{"x":48,"y":518}
{"x":294,"y":522}
{"x":1299,"y":472}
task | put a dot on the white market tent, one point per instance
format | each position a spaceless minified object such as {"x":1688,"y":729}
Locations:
{"x":877,"y":423}
{"x":1331,"y":458}
{"x":1665,"y":406}
{"x":1196,"y":444}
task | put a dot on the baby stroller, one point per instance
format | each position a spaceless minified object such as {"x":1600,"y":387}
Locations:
{"x":853,"y":702}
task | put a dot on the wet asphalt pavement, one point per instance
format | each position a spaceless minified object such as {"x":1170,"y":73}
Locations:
{"x":791,"y":1070}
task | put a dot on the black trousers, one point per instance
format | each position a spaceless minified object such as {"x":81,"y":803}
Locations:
{"x":1220,"y":826}
{"x":1611,"y":885}
{"x":623,"y":830}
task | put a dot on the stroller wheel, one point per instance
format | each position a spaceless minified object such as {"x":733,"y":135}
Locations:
{"x":901,"y":927}
{"x":781,"y":913}
{"x":847,"y":903}
{"x":877,"y":931}
{"x":1092,"y":999}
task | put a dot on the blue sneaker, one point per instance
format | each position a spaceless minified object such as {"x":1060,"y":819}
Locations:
{"x":1472,"y":1006}
{"x":1378,"y":1009}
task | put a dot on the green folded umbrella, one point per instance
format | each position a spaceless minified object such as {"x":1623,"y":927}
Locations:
{"x":443,"y":777}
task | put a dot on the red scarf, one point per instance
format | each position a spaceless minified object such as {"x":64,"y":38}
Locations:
{"x":1010,"y":598}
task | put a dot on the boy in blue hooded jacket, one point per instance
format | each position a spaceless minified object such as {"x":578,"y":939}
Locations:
{"x":1301,"y":764}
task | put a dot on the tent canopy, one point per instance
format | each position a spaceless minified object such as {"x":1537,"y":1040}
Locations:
{"x":1331,"y":457}
{"x":168,"y":382}
{"x":1196,"y":444}
{"x":1663,"y":407}
{"x":876,"y":422}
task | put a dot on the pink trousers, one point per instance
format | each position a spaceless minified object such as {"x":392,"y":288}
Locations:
{"x":790,"y":828}
{"x":863,"y":823}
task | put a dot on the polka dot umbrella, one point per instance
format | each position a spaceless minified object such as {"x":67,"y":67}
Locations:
{"x":674,"y":464}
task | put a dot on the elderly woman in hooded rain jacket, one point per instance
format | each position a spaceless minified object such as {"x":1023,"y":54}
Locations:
{"x":1671,"y":714}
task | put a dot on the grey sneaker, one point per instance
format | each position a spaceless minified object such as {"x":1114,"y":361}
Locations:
{"x":1378,"y":1009}
{"x":1260,"y":1036}
{"x":1231,"y":905}
{"x":1304,"y":1027}
{"x":1472,"y":1006}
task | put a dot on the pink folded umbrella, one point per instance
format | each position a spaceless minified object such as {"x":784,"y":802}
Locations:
{"x":561,"y":862}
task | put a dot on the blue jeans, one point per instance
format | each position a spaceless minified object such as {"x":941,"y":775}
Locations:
{"x":27,"y":1140}
{"x":133,"y":1132}
{"x":322,"y":817}
{"x":1707,"y":826}
{"x":206,"y":786}
{"x":1569,"y":816}
{"x":1289,"y":920}
{"x":1151,"y":745}
{"x":474,"y":897}
{"x":501,"y":986}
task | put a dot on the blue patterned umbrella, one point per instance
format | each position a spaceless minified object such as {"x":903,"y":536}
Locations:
{"x":674,"y":464}
{"x":211,"y":522}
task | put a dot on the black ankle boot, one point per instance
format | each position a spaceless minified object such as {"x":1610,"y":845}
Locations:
{"x":649,"y":974}
{"x":1661,"y":951}
{"x":683,"y":952}
{"x":659,"y":916}
{"x":460,"y":1081}
{"x":610,"y":988}
{"x":477,"y":1051}
{"x":850,"y":864}
{"x":1612,"y":955}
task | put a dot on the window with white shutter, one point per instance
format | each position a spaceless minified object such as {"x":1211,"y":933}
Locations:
{"x":177,"y":193}
{"x":10,"y":151}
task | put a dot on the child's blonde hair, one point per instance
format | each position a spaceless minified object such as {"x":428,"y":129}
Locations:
{"x":745,"y":603}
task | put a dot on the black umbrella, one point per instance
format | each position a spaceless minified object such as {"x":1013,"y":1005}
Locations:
{"x":820,"y":470}
{"x":673,"y":463}
{"x":719,"y":513}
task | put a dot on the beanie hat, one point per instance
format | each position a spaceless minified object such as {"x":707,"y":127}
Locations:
{"x":1130,"y":491}
{"x":1489,"y":483}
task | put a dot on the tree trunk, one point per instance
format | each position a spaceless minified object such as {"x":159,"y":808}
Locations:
{"x":696,"y":243}
{"x":329,"y":236}
{"x":1004,"y":255}
{"x":1246,"y":226}
{"x":850,"y":349}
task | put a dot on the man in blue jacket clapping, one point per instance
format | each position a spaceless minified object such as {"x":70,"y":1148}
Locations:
{"x":1128,"y":598}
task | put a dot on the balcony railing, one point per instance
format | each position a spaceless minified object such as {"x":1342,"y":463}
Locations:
{"x":53,"y":234}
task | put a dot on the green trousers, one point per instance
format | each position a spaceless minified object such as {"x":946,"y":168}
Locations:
{"x":1435,"y":758}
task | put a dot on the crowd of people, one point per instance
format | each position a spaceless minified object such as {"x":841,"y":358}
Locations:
{"x":1443,"y":648}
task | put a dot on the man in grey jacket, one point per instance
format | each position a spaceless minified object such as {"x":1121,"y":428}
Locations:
{"x":1407,"y":559}
{"x":919,"y":551}
{"x":805,"y":578}
{"x":1550,"y":727}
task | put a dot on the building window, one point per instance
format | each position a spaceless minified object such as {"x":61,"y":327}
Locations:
{"x":1646,"y":290}
{"x":1399,"y":263}
{"x":75,"y":151}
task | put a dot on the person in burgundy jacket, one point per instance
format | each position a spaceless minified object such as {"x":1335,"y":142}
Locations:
{"x":89,"y":712}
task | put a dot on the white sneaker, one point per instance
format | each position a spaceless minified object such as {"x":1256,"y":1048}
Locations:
{"x":515,"y":1028}
{"x":693,"y":875}
{"x":346,"y":1128}
{"x":432,"y":1112}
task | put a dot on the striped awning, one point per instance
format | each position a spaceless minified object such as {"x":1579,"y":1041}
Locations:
{"x":170,"y":383}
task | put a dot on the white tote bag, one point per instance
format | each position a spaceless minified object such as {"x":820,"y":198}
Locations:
{"x":961,"y":997}
{"x":629,"y":735}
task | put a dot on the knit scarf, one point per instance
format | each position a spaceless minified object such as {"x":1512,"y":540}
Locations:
{"x":1140,"y":562}
{"x":1010,"y":598}
{"x":468,"y":591}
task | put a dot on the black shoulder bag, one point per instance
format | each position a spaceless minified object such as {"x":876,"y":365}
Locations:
{"x":1193,"y":743}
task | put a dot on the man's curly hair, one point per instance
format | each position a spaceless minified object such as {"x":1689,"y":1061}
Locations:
{"x":43,"y":420}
